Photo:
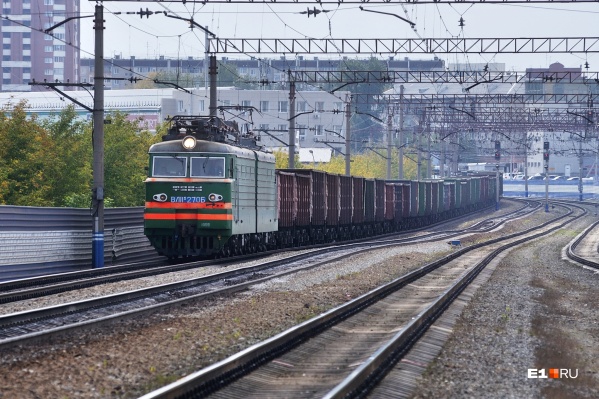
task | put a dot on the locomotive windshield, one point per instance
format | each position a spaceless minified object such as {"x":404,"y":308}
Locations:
{"x":207,"y":167}
{"x":170,"y":166}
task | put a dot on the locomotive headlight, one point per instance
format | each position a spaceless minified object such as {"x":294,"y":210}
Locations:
{"x":189,"y":142}
{"x":215,"y":197}
{"x":160,"y":197}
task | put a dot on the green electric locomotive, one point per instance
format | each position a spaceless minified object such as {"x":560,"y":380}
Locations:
{"x":210,"y":190}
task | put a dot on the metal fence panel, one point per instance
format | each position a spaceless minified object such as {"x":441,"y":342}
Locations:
{"x":36,"y":241}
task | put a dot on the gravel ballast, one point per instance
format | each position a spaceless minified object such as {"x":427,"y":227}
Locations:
{"x":133,"y":357}
{"x":535,"y":312}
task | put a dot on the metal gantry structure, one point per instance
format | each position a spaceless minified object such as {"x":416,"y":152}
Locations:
{"x":433,"y":77}
{"x":513,"y":45}
{"x":504,"y":114}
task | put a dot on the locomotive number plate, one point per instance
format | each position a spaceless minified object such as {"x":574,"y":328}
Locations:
{"x":188,"y":199}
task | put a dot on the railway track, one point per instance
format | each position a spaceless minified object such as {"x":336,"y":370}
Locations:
{"x":584,"y":249}
{"x":53,"y":284}
{"x":348,"y":350}
{"x":18,"y":328}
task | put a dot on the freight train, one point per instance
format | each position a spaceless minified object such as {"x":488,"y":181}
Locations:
{"x":211,"y":191}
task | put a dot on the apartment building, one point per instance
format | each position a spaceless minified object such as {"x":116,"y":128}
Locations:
{"x":28,"y":53}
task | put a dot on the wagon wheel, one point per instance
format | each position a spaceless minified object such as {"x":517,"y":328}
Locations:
{"x":226,"y":252}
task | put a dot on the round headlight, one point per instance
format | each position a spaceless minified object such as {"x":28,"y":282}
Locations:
{"x":215,"y":197}
{"x":189,"y":142}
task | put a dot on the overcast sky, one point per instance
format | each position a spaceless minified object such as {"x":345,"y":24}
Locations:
{"x":158,"y":35}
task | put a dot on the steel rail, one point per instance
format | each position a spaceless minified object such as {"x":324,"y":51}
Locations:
{"x":572,"y":247}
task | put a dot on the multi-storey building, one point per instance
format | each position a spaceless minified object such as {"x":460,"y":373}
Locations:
{"x":28,"y":53}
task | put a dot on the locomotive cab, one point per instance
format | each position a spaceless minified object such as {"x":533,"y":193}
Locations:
{"x":205,"y":198}
{"x":188,"y":198}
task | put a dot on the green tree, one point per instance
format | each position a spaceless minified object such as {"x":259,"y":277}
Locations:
{"x":67,"y":167}
{"x":125,"y":160}
{"x":282,"y":160}
{"x":335,"y":166}
{"x":23,"y":148}
{"x":49,"y":162}
{"x":370,"y":165}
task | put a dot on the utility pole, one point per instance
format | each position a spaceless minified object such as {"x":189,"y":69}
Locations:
{"x":429,"y":165}
{"x":347,"y":133}
{"x":580,"y":169}
{"x":213,"y":75}
{"x":586,"y":135}
{"x":596,"y":181}
{"x":443,"y":159}
{"x":456,"y":154}
{"x":526,"y":166}
{"x":292,"y":122}
{"x":546,"y":161}
{"x":497,"y":160}
{"x":98,"y":143}
{"x":401,"y":139}
{"x":206,"y":59}
{"x":389,"y":142}
{"x":419,"y":144}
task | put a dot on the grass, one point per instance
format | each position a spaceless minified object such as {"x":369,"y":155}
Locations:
{"x":506,"y":314}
